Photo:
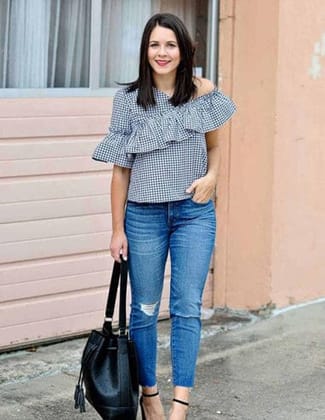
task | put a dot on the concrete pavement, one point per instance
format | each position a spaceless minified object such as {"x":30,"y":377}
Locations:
{"x":249,"y":368}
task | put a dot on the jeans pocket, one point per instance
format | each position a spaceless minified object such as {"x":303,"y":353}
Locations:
{"x":205,"y":203}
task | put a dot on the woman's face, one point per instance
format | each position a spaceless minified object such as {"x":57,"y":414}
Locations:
{"x":163,"y":51}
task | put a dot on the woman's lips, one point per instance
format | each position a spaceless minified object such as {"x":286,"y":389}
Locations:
{"x":162,"y":63}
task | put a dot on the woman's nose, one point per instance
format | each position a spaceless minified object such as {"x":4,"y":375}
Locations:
{"x":162,"y":51}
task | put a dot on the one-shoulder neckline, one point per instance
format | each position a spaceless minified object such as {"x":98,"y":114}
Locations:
{"x":197,"y":98}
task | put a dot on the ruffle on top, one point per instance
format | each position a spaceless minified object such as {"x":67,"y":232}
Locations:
{"x":202,"y":114}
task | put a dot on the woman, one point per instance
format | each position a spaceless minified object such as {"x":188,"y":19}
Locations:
{"x":163,"y":144}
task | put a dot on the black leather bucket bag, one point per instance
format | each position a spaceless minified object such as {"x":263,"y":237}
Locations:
{"x":109,"y":370}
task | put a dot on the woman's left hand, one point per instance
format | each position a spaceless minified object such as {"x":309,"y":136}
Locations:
{"x":203,"y":188}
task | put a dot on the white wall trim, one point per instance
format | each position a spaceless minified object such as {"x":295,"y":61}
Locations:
{"x":56,"y":92}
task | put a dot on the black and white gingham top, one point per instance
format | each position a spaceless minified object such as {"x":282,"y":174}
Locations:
{"x":164,"y":145}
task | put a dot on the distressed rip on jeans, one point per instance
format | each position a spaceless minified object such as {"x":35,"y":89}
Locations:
{"x":148,"y":308}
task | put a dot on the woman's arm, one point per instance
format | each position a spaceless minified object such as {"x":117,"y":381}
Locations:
{"x":119,"y":190}
{"x":204,"y":187}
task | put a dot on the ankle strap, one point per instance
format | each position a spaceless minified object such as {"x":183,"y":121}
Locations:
{"x":180,"y":401}
{"x":151,"y":395}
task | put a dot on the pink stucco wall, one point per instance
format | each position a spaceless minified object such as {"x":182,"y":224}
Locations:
{"x":298,"y":241}
{"x":272,"y":193}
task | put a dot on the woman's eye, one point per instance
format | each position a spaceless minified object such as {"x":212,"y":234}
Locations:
{"x":168,"y":45}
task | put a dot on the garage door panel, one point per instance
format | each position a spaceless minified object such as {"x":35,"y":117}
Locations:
{"x":47,"y":287}
{"x":46,"y":166}
{"x":49,"y":209}
{"x":53,"y":187}
{"x":47,"y":147}
{"x":54,"y":267}
{"x":54,"y":228}
{"x":48,"y":107}
{"x":22,"y":334}
{"x":55,"y":126}
{"x":53,"y":247}
{"x":50,"y":307}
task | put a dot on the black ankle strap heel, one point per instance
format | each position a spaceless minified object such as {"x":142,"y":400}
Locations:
{"x":181,"y":402}
{"x":151,"y":395}
{"x":141,"y":403}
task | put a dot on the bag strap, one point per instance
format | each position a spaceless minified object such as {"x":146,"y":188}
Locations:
{"x":119,"y":270}
{"x":110,"y":304}
{"x":123,"y":287}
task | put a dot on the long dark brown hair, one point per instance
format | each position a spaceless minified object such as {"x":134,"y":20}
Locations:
{"x":184,"y":86}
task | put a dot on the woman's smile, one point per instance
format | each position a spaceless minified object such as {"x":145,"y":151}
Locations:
{"x":162,"y":62}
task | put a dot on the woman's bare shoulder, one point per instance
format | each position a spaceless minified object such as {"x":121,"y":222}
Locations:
{"x":203,"y":86}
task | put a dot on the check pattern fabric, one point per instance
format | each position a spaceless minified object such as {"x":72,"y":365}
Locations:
{"x":164,"y":146}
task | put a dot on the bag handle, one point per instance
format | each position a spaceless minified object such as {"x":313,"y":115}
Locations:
{"x":123,"y":287}
{"x":120,"y":270}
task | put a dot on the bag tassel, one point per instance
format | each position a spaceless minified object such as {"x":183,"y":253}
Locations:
{"x":79,"y":396}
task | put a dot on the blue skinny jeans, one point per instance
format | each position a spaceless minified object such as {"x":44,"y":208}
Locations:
{"x":187,"y":230}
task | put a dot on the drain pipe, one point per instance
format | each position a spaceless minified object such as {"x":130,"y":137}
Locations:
{"x":212,"y":44}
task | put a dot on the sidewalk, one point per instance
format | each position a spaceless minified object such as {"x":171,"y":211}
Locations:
{"x":254,"y":368}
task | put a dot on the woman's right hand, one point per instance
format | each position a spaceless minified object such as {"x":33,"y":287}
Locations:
{"x":119,"y":246}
